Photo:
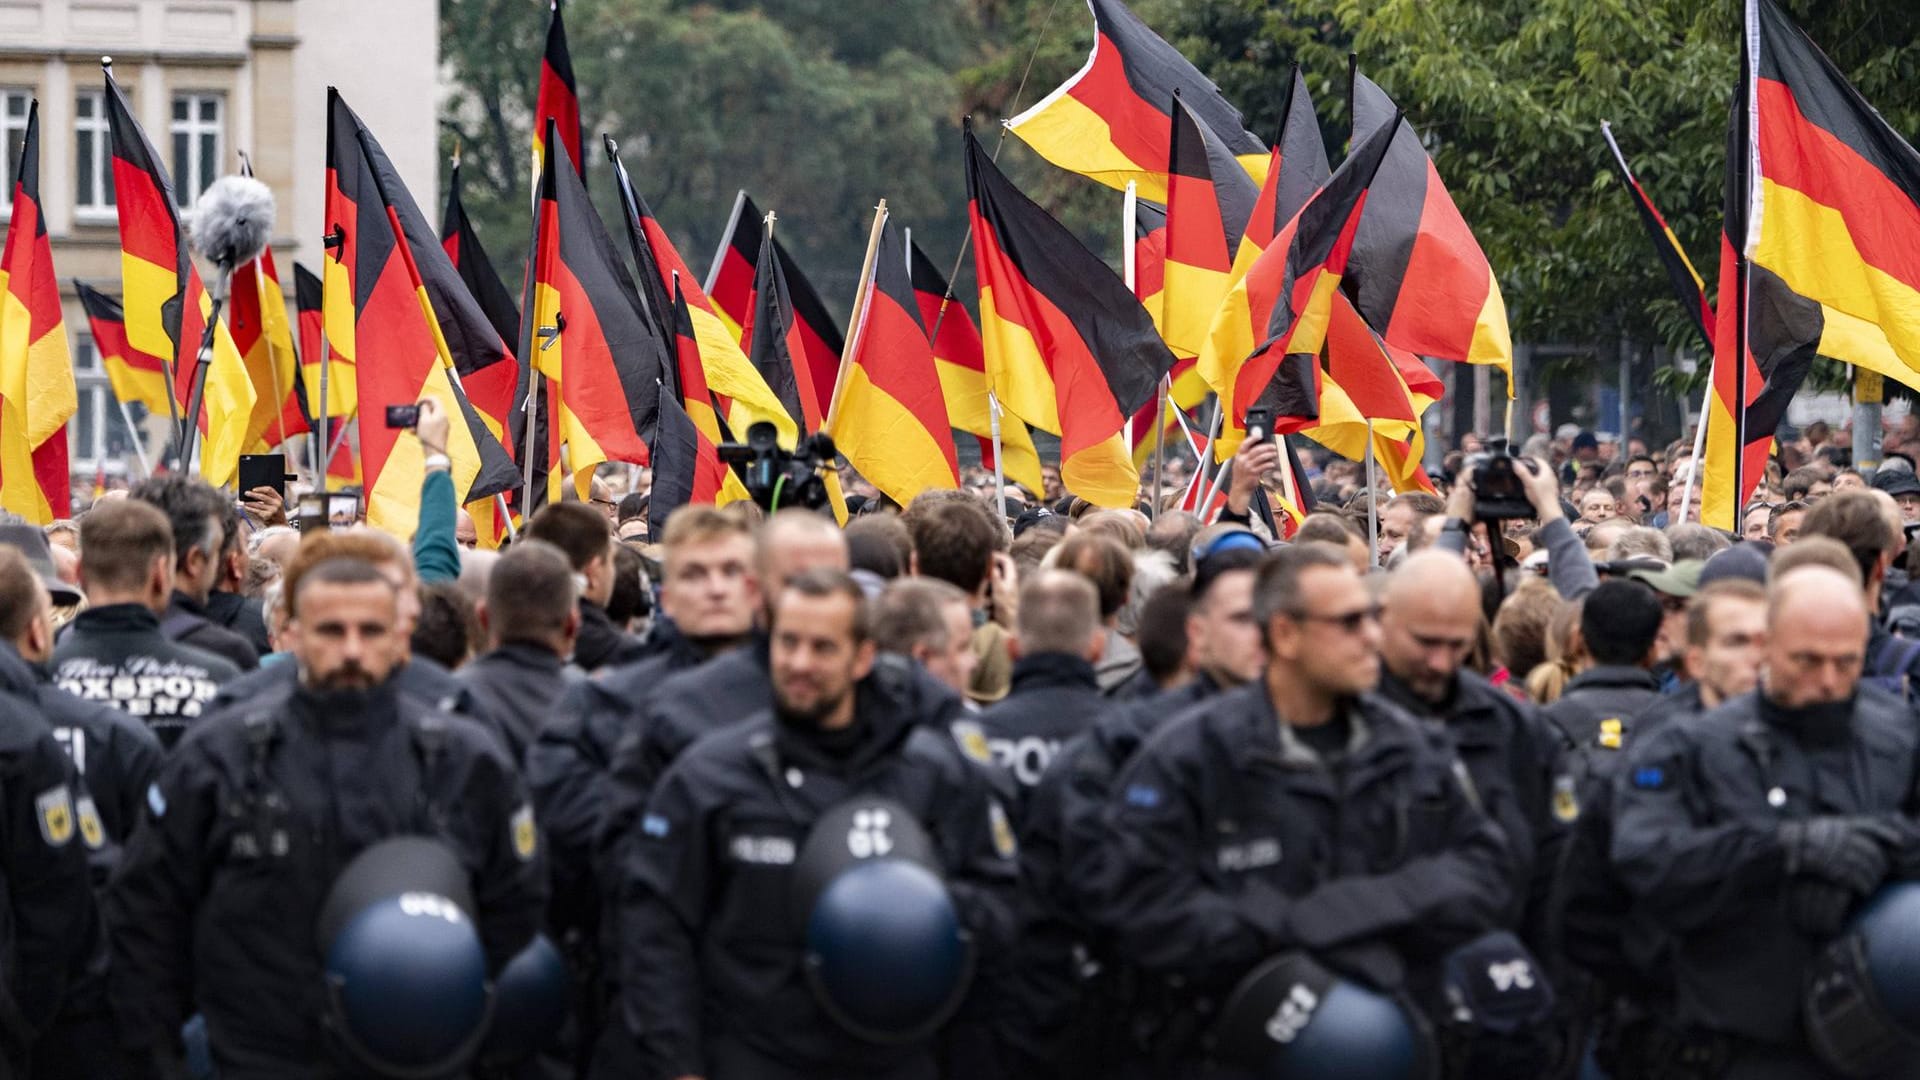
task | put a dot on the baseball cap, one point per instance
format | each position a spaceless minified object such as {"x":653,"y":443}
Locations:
{"x":33,"y":544}
{"x":1680,"y":579}
{"x":1739,"y":561}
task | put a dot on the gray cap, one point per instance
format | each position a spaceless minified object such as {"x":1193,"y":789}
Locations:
{"x":1746,"y":561}
{"x":32,"y":543}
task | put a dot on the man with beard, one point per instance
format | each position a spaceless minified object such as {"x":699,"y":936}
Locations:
{"x":255,"y":814}
{"x":713,"y":979}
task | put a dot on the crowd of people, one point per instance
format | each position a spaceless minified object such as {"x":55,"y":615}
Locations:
{"x":1596,"y":788}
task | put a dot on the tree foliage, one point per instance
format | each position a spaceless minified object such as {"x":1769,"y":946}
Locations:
{"x":821,"y":106}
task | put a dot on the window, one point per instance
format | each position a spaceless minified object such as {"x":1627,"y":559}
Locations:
{"x":14,"y":106}
{"x":196,"y":144}
{"x":92,"y":155}
{"x":98,"y":433}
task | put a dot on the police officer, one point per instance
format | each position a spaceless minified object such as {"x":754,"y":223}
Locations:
{"x":530,"y":618}
{"x":1430,"y":619}
{"x":1749,"y":834}
{"x":50,"y":929}
{"x":1620,"y":622}
{"x":709,"y":598}
{"x":415,"y":675}
{"x":1299,"y":812}
{"x":113,"y":754}
{"x":115,"y":651}
{"x":1069,"y":1016}
{"x":256,"y":813}
{"x":714,"y":983}
{"x":1058,"y":639}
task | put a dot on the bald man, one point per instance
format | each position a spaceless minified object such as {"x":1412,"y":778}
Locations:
{"x":1429,"y":620}
{"x":1751,"y":834}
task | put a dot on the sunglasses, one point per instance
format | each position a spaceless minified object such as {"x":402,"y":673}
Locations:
{"x":1348,"y":623}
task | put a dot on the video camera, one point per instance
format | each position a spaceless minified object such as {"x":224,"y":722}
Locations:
{"x":776,"y":478}
{"x":1498,"y":493}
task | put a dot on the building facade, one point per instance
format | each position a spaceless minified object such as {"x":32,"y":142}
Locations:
{"x":208,"y":80}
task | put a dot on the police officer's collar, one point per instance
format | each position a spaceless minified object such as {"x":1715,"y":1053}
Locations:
{"x":1615,"y":675}
{"x":1054,"y":669}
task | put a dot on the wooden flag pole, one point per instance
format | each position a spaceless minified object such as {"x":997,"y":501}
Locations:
{"x":856,"y":320}
{"x":1373,"y":500}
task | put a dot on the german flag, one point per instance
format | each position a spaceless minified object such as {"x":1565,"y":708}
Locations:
{"x":733,"y":286}
{"x":462,"y":245}
{"x":1297,"y":171}
{"x":891,"y":419}
{"x":1068,"y":347}
{"x":310,"y":320}
{"x":37,"y":395}
{"x":689,"y":386}
{"x":136,"y":377}
{"x":257,"y":318}
{"x":605,"y":358}
{"x":1288,"y":293}
{"x":736,"y":264}
{"x":1418,"y":275}
{"x":558,"y":100}
{"x":961,"y":361}
{"x":687,"y":469}
{"x":1369,"y":380}
{"x":165,"y":304}
{"x":385,"y":271}
{"x":1209,"y":201}
{"x":1821,"y":252}
{"x":1680,"y":272}
{"x":747,"y":396}
{"x":775,"y":346}
{"x":1148,"y":257}
{"x":1109,"y":121}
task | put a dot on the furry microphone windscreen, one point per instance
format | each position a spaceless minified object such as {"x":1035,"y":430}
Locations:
{"x":232,"y":221}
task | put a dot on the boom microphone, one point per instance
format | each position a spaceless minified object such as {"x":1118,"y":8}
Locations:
{"x":232,"y":221}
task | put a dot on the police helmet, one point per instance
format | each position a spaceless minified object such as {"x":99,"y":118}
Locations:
{"x":407,"y":992}
{"x":1863,"y":990}
{"x":530,"y":1000}
{"x":1292,"y":1019}
{"x":886,"y":956}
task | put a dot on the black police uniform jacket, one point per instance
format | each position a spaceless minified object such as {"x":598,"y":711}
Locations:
{"x":711,"y":947}
{"x":420,"y":678}
{"x":116,"y":654}
{"x":253,"y":817}
{"x":1600,"y":694}
{"x":49,"y":925}
{"x":1695,"y":842}
{"x":602,"y":644}
{"x":1231,"y":841}
{"x":1054,"y":698}
{"x":114,"y":754}
{"x":520,"y":684}
{"x":1513,"y":756}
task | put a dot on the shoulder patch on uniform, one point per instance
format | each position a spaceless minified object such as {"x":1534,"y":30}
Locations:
{"x":655,"y":826}
{"x":92,"y":833}
{"x":1612,"y":733}
{"x":54,"y":808}
{"x":526,"y":838}
{"x":1143,"y":796}
{"x":973,"y":741}
{"x":1003,"y":842}
{"x":1566,"y":802}
{"x":156,"y":802}
{"x":1650,"y":778}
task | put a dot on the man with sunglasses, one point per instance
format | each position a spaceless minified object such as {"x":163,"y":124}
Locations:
{"x":1300,"y":812}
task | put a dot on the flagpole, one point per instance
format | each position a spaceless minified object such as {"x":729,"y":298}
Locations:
{"x":318,"y":441}
{"x":856,"y":319}
{"x":139,"y":446}
{"x":999,"y":463}
{"x":1373,"y":500}
{"x":1288,"y":482}
{"x":1699,"y":448}
{"x":1210,"y":477}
